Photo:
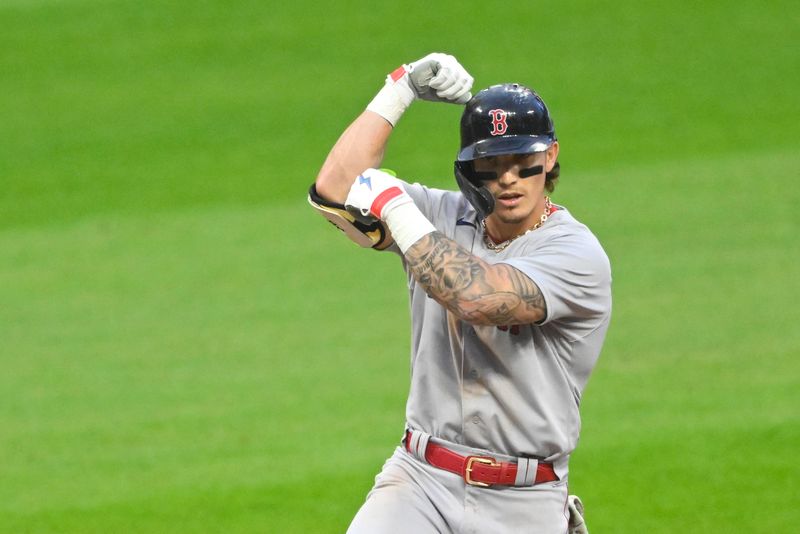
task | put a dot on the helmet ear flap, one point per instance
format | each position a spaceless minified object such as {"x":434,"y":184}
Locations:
{"x":469,"y":182}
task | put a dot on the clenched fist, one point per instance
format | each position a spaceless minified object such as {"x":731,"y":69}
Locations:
{"x":437,"y":77}
{"x":374,"y":192}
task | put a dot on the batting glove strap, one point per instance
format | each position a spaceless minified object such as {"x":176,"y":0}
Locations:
{"x":372,"y":192}
{"x":406,"y":223}
{"x":395,"y":97}
{"x":376,"y":193}
{"x":384,"y":199}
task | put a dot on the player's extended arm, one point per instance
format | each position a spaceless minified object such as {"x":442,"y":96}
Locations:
{"x":474,"y":290}
{"x":436,"y":77}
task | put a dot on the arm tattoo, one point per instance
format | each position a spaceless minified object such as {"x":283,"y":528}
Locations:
{"x":472,"y":289}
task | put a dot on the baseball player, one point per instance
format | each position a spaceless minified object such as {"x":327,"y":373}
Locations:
{"x":510,"y":301}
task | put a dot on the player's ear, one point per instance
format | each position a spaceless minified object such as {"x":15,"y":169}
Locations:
{"x":552,"y":156}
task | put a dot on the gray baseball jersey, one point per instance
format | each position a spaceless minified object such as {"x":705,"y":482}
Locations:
{"x":512,"y":389}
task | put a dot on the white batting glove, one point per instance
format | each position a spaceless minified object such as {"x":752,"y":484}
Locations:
{"x":577,"y":524}
{"x":375,"y":191}
{"x":440,"y":78}
{"x":379,"y":194}
{"x":436,"y":77}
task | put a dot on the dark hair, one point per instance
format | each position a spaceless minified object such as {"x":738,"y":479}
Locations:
{"x":551,"y":177}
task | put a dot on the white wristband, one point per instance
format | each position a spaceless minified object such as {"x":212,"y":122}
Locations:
{"x":407,"y":224}
{"x":395,"y":97}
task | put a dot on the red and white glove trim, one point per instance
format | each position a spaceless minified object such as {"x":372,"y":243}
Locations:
{"x":378,"y":193}
{"x":398,"y":73}
{"x":380,"y":202}
{"x":395,"y":97}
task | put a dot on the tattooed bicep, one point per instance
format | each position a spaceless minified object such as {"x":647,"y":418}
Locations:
{"x":532,"y":305}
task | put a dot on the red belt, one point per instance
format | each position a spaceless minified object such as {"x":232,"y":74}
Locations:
{"x":482,"y":471}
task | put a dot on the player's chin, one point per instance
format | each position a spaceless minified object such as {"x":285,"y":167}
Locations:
{"x":510,"y":216}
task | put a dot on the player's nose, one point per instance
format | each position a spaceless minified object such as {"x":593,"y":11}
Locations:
{"x":508,"y":175}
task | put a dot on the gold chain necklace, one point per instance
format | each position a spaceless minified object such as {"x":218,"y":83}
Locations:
{"x":491,"y":245}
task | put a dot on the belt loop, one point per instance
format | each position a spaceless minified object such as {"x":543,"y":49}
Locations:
{"x":526,"y":471}
{"x":418,"y":444}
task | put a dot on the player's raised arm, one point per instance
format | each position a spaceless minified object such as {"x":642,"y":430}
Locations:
{"x":436,"y":77}
{"x":360,"y":146}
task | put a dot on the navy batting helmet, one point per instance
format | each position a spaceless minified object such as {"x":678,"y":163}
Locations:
{"x":502,"y":119}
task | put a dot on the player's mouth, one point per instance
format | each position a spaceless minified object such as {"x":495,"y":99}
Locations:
{"x":509,"y":200}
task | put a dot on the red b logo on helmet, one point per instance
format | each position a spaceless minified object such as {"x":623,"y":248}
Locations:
{"x":499,"y":125}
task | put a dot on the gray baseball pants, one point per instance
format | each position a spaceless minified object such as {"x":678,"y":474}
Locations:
{"x":410,"y":496}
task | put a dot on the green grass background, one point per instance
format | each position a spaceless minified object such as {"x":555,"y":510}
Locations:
{"x":186,"y":347}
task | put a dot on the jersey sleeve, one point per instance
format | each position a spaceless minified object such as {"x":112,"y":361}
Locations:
{"x":574,"y":275}
{"x":433,"y":203}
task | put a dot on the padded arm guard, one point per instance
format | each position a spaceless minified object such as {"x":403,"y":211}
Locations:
{"x":363,"y":234}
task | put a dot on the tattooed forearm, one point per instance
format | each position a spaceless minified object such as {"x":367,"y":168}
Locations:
{"x":472,"y":289}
